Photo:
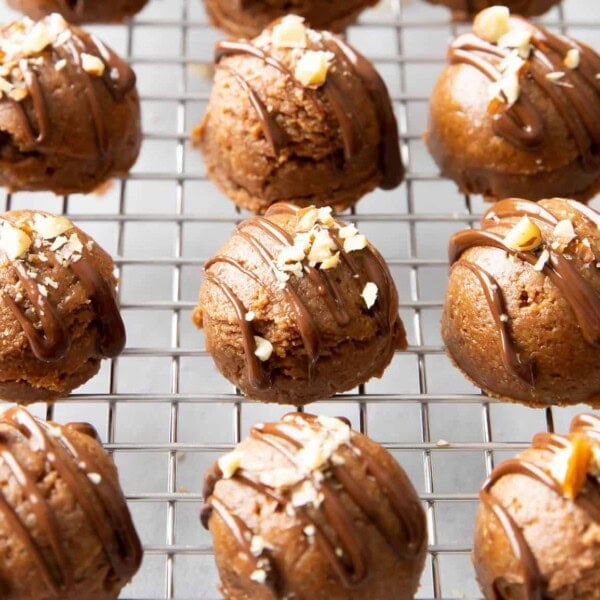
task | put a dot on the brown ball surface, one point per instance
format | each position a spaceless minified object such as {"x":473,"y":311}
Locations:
{"x":70,"y":114}
{"x":467,"y":9}
{"x":270,"y":135}
{"x":307,"y":508}
{"x":247,"y":19}
{"x":537,"y":532}
{"x":504,"y":122}
{"x":295,"y":312}
{"x":524,"y":325}
{"x":58,"y":313}
{"x":65,"y":527}
{"x":80,"y":11}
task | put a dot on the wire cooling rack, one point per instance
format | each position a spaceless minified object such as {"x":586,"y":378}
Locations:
{"x":163,"y":410}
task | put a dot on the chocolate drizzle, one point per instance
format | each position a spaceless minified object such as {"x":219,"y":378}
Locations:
{"x":582,"y":297}
{"x":368,"y":265}
{"x":102,"y":503}
{"x":335,"y":90}
{"x":118,"y":78}
{"x":576,"y":96}
{"x":335,"y":530}
{"x":52,"y":342}
{"x":533,"y":581}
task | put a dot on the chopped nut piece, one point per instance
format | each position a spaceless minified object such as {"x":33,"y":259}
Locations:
{"x":290,"y":32}
{"x":307,"y":217}
{"x":230,"y":463}
{"x":322,"y":247}
{"x":312,"y":68}
{"x":369,"y":294}
{"x":50,"y":227}
{"x":60,"y":64}
{"x":18,"y":93}
{"x":257,"y":545}
{"x":331,"y":262}
{"x":264,"y":348}
{"x":492,"y":23}
{"x":5,"y":86}
{"x":54,"y":432}
{"x":507,"y":88}
{"x":95,"y":478}
{"x":36,"y":40}
{"x":524,"y":236}
{"x":542,"y":260}
{"x":14,"y":241}
{"x":572,"y":59}
{"x":356,"y":242}
{"x":92,"y":64}
{"x":305,"y":494}
{"x":289,"y":254}
{"x":570,"y":466}
{"x":442,"y":443}
{"x":325,"y":217}
{"x":60,"y":241}
{"x":555,"y":75}
{"x":519,"y":39}
{"x":259,"y":575}
{"x":348,"y":231}
{"x":564,"y":232}
{"x":250,"y":315}
{"x":504,"y":318}
{"x":309,"y":530}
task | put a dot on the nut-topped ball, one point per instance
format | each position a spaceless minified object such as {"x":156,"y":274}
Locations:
{"x":538,"y":528}
{"x":297,"y":306}
{"x":69,"y":110}
{"x":516,"y":112}
{"x":66,"y":530}
{"x":298,"y":115}
{"x":248,"y":18}
{"x":80,"y":11}
{"x":467,"y":9}
{"x":522,"y":312}
{"x":58,"y":310}
{"x":307,"y":508}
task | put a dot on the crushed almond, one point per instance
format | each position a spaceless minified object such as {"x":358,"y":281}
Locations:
{"x":542,"y":260}
{"x":264,"y":348}
{"x":369,"y":294}
{"x":311,"y":70}
{"x":572,"y":58}
{"x":92,"y":64}
{"x":13,"y":241}
{"x":525,"y":236}
{"x":290,"y":32}
{"x":564,"y":232}
{"x":230,"y":463}
{"x":492,"y":23}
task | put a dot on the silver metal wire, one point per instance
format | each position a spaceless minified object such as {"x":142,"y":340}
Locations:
{"x":161,"y":408}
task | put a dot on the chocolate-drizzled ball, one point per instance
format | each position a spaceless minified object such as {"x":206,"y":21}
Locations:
{"x":522,"y":311}
{"x":66,"y":531}
{"x":58,"y":311}
{"x":298,"y":115}
{"x":69,"y":110}
{"x":249,"y":17}
{"x":516,"y":112}
{"x":80,"y":11}
{"x":538,"y":528}
{"x":467,"y":9}
{"x":297,"y":307}
{"x":308,"y":508}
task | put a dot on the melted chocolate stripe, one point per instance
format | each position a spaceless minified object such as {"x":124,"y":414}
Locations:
{"x":495,"y":300}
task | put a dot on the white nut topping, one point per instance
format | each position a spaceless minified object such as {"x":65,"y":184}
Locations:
{"x":250,"y":316}
{"x":369,"y":294}
{"x":507,"y":88}
{"x":50,"y":227}
{"x":564,"y":232}
{"x":331,"y":262}
{"x":37,"y":39}
{"x":305,"y":494}
{"x":322,"y":247}
{"x":325,"y":217}
{"x":307,"y":217}
{"x":555,"y":75}
{"x":13,"y":241}
{"x":519,"y":39}
{"x":5,"y":86}
{"x":60,"y":64}
{"x":258,"y":575}
{"x":92,"y":64}
{"x":290,"y":32}
{"x":312,"y":68}
{"x":492,"y":23}
{"x":524,"y":236}
{"x":542,"y":260}
{"x":356,"y":242}
{"x":257,"y":545}
{"x":95,"y":478}
{"x":572,"y":59}
{"x":348,"y":231}
{"x":230,"y":463}
{"x":264,"y":348}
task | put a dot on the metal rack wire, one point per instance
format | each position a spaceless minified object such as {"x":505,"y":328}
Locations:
{"x":163,"y":411}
